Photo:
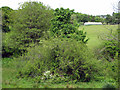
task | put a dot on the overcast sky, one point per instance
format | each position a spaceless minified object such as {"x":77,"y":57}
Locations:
{"x":91,"y":7}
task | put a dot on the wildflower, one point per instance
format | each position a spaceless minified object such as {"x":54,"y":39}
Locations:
{"x":42,"y":78}
{"x":47,"y":73}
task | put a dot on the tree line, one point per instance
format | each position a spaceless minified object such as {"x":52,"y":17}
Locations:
{"x":105,"y":19}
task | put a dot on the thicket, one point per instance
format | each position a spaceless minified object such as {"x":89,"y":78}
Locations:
{"x":65,"y":53}
{"x":31,"y":23}
{"x":52,"y":42}
{"x":63,"y":27}
{"x":66,"y":60}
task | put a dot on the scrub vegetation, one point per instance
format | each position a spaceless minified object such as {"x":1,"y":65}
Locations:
{"x":46,"y":48}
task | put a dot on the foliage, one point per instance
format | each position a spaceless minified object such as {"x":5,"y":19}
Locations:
{"x":87,"y":18}
{"x":107,"y":52}
{"x":113,"y":19}
{"x":61,"y":26}
{"x":6,"y":19}
{"x":109,"y":87}
{"x":34,"y":22}
{"x":109,"y":19}
{"x":98,"y":19}
{"x":109,"y":63}
{"x":67,"y":58}
{"x":110,"y":48}
{"x":56,"y":60}
{"x":109,"y":70}
{"x":31,"y":23}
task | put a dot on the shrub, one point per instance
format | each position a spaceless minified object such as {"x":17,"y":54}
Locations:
{"x":67,"y":58}
{"x":63,"y":26}
{"x":31,"y":23}
{"x":108,"y":53}
{"x":109,"y":87}
{"x":110,"y":48}
{"x":112,"y":70}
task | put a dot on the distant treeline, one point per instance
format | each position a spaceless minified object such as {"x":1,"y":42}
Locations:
{"x":105,"y":19}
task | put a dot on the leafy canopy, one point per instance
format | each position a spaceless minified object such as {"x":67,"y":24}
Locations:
{"x":61,"y":26}
{"x":31,"y":23}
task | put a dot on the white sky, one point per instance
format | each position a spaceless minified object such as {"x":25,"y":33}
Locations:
{"x":91,"y":7}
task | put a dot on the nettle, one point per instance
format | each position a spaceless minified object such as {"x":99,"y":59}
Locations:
{"x":63,"y":27}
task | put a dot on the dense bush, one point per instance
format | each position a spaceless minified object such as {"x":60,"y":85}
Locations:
{"x":63,"y":27}
{"x":31,"y":23}
{"x":67,"y":58}
{"x":6,"y":19}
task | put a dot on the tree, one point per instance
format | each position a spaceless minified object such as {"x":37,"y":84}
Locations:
{"x":112,"y":19}
{"x":61,"y":26}
{"x":31,"y":23}
{"x":108,"y":19}
{"x":98,"y":19}
{"x":116,"y":17}
{"x":82,"y":17}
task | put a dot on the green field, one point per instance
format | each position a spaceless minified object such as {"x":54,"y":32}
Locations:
{"x":9,"y":79}
{"x":95,"y":31}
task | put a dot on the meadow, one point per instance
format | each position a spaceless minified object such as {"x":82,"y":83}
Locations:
{"x":94,"y":32}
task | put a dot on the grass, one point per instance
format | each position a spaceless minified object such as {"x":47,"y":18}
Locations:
{"x":9,"y":79}
{"x":95,"y":31}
